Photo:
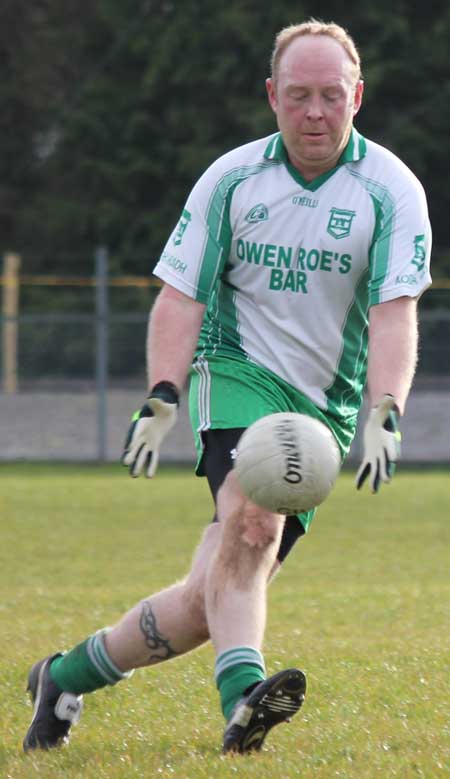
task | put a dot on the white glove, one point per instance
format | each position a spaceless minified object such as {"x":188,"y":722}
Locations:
{"x":149,"y":427}
{"x":381,"y":444}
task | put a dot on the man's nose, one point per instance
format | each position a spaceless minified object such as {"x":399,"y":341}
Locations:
{"x":315,"y":110}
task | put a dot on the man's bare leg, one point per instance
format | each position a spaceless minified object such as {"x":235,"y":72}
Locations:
{"x":168,"y":623}
{"x":223,"y":596}
{"x":236,"y":583}
{"x":240,"y":568}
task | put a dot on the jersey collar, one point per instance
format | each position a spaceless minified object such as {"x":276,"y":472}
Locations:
{"x":354,"y":151}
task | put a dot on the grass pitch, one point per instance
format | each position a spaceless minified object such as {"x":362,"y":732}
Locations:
{"x":361,"y":605}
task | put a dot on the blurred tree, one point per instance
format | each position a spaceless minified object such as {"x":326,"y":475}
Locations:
{"x":18,"y":119}
{"x":112,"y":109}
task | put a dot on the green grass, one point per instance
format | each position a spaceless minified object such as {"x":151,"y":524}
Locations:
{"x":361,"y":605}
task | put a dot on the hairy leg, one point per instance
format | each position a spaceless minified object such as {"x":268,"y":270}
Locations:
{"x":232,"y":564}
{"x":166,"y":624}
{"x":240,"y":567}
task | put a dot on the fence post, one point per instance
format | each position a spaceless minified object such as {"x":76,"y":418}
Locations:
{"x":10,"y":307}
{"x":101,"y":355}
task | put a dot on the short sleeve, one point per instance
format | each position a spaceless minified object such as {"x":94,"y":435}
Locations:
{"x":401,"y":247}
{"x":199,"y":245}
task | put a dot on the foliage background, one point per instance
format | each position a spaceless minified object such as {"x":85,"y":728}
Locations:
{"x":111,"y":110}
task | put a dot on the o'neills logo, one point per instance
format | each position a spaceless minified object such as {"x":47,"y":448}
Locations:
{"x":288,"y":442}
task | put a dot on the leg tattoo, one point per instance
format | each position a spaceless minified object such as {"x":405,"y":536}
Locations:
{"x":153,"y":638}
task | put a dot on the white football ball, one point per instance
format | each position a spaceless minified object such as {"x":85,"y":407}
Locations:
{"x":287,"y":462}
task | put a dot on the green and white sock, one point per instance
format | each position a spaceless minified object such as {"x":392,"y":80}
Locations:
{"x":236,"y":670}
{"x":87,"y":667}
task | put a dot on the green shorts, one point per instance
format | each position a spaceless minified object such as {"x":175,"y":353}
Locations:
{"x":228,"y":393}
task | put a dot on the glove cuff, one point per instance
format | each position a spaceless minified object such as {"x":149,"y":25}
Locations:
{"x":166,"y":391}
{"x":393,"y":418}
{"x":395,"y":408}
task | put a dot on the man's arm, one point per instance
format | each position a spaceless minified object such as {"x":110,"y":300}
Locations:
{"x":391,"y":365}
{"x":173,"y":332}
{"x":392,"y":350}
{"x":174,"y":327}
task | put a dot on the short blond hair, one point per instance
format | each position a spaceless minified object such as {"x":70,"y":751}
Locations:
{"x":314,"y":27}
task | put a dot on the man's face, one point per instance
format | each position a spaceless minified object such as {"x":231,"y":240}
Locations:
{"x":315,"y":98}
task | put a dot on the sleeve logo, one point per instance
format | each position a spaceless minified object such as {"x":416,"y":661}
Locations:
{"x":181,"y":227}
{"x":419,"y":252}
{"x":340,"y":222}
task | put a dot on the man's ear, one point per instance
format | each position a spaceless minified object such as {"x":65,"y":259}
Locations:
{"x":271,"y":94}
{"x":359,"y":91}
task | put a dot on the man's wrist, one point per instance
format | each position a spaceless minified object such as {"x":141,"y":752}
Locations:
{"x":378,"y":402}
{"x":166,"y":391}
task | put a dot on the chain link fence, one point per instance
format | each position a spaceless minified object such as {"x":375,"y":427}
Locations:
{"x":73,"y":361}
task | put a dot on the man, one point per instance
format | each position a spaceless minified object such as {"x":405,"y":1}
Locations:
{"x":292,"y":276}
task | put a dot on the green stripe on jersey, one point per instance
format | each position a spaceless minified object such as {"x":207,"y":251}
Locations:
{"x":380,"y":251}
{"x":220,"y":328}
{"x":221,"y":306}
{"x":217,"y":249}
{"x":345,"y":392}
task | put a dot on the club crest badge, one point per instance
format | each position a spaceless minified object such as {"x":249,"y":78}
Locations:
{"x":340,"y":222}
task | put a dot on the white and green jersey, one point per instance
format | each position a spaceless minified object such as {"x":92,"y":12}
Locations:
{"x":288,"y":269}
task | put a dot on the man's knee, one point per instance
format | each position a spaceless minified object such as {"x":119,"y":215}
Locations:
{"x":261,"y":528}
{"x":246,"y":527}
